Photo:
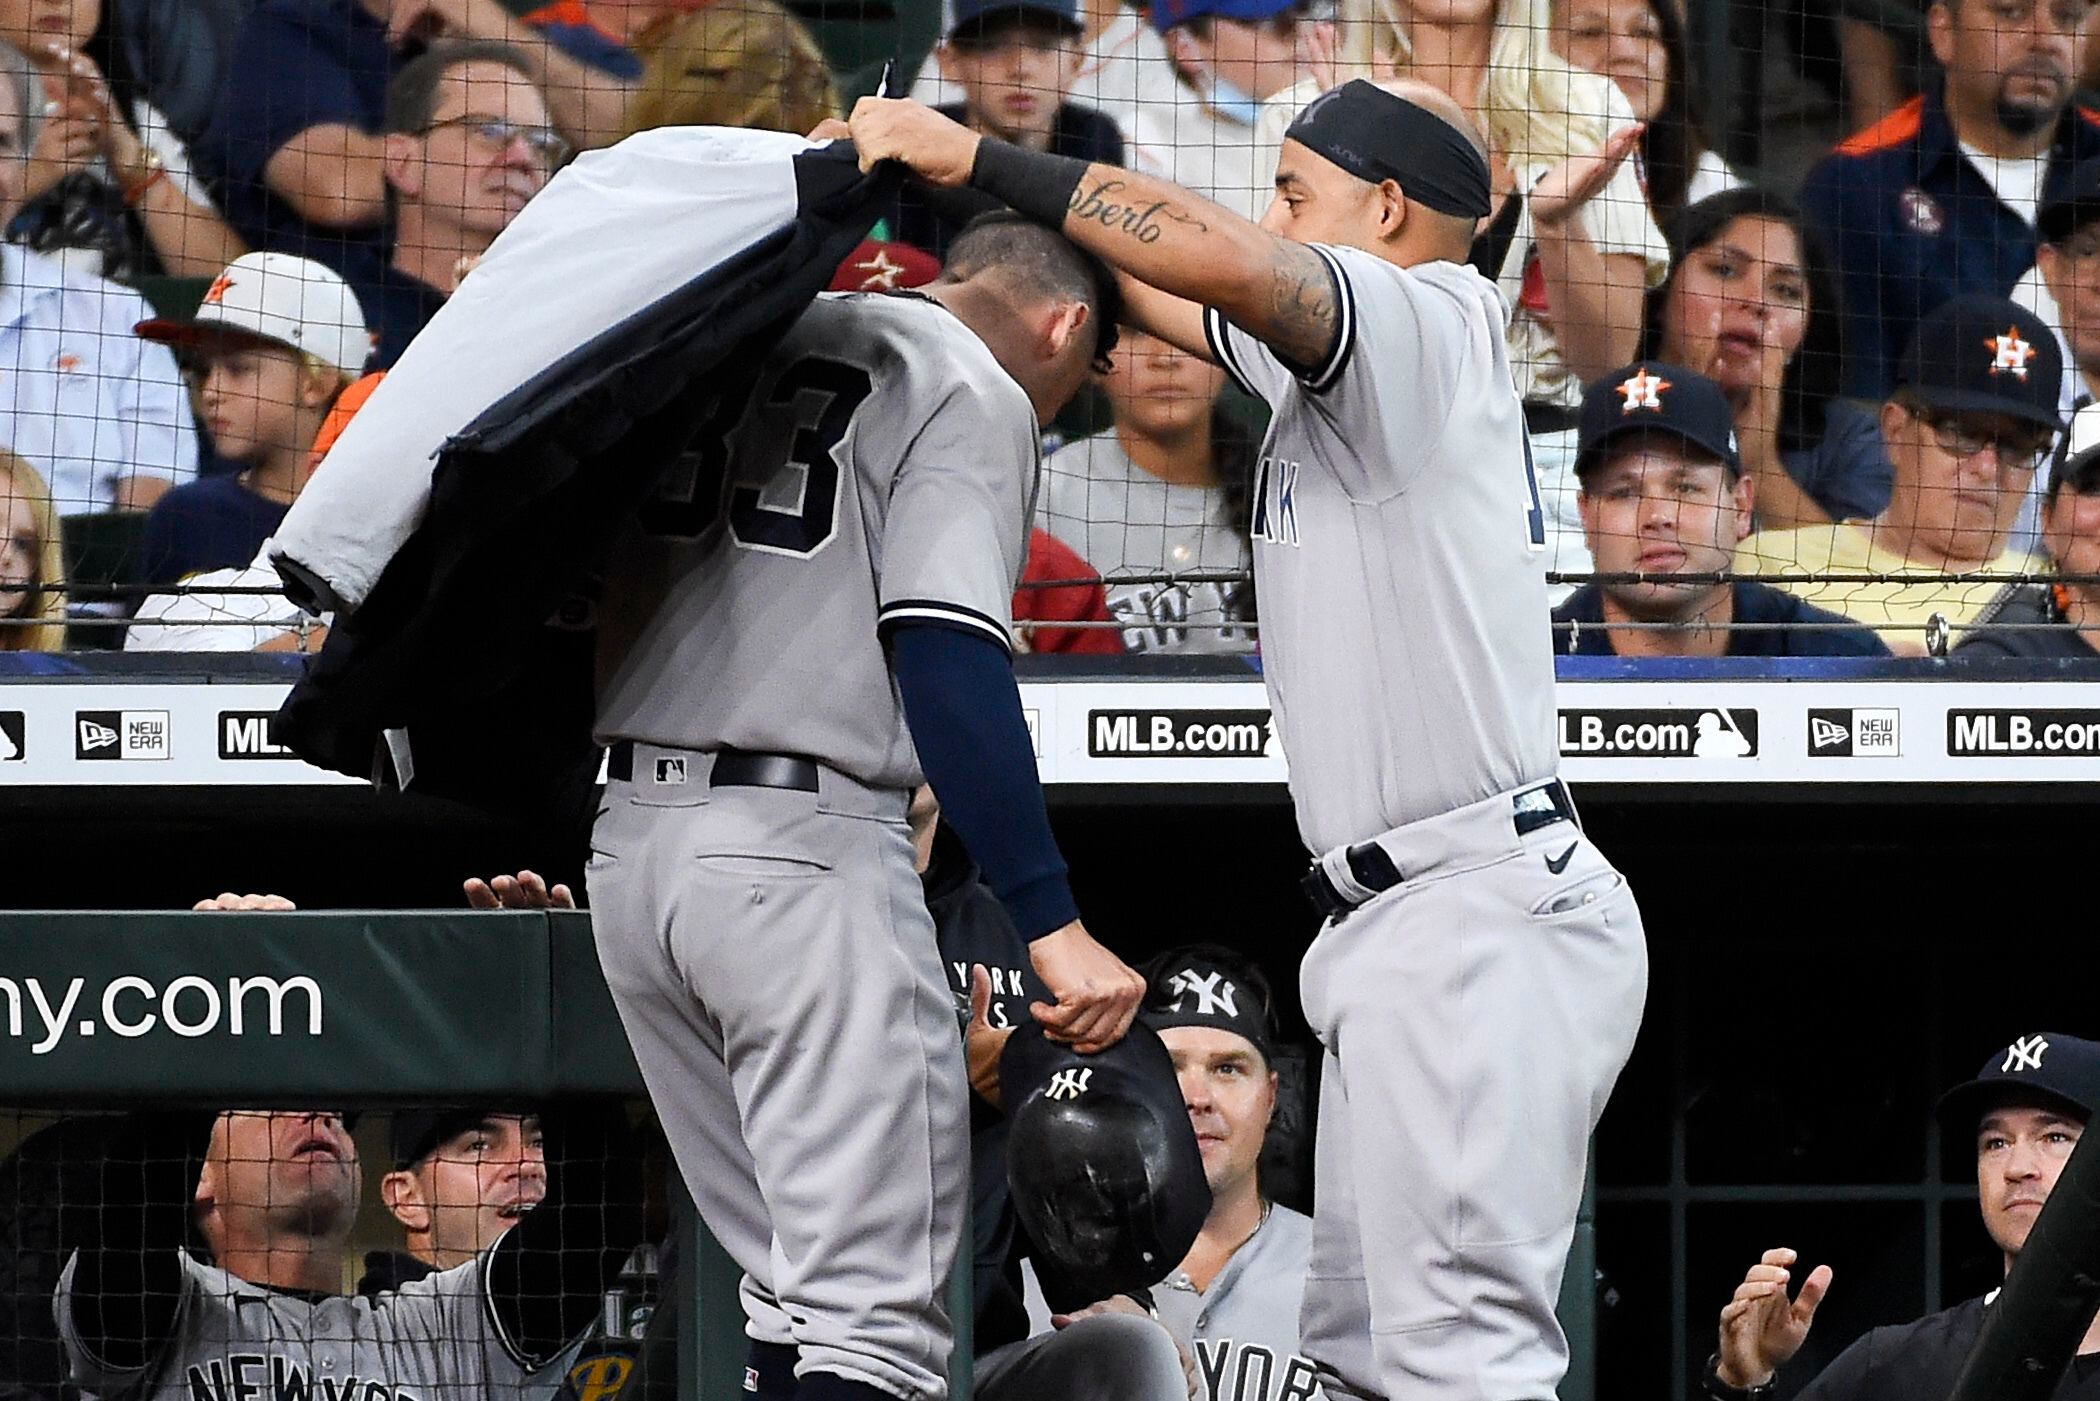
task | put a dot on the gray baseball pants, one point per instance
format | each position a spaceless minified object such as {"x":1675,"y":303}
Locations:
{"x":774,"y":966}
{"x":1474,"y":1019}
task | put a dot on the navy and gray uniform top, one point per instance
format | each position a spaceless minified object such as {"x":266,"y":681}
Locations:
{"x":1398,"y":546}
{"x":1920,"y":1361}
{"x":1243,"y":1330}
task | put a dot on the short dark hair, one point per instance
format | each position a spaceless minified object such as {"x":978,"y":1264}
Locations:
{"x":1044,"y":263}
{"x":411,"y":98}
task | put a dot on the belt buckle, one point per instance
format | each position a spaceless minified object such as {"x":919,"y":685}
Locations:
{"x":1327,"y":902}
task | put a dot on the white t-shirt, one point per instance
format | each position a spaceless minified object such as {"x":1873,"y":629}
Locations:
{"x":2016,"y":179}
{"x":204,"y":617}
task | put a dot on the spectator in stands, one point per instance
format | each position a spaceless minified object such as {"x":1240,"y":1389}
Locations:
{"x":280,"y":338}
{"x":1664,"y":493}
{"x":461,"y":1178}
{"x":32,"y":562}
{"x":469,"y":144}
{"x":1163,"y":491}
{"x":1974,"y":413}
{"x":107,"y":175}
{"x":1642,"y":47}
{"x":1059,"y":587}
{"x":298,"y":145}
{"x":102,"y":414}
{"x":1752,"y":303}
{"x":1254,"y":64}
{"x":1015,"y":61}
{"x":1940,"y":197}
{"x":2021,"y":1117}
{"x":1571,"y":242}
{"x":2063,"y":286}
{"x":2055,"y":617}
{"x":1233,"y":1302}
{"x":750,"y":64}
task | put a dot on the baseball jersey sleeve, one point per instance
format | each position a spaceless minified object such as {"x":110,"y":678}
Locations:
{"x":956,"y":538}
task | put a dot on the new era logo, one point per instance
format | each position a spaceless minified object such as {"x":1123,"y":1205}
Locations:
{"x":121,"y":734}
{"x":96,"y":735}
{"x":1069,"y":1084}
{"x":1854,"y":734}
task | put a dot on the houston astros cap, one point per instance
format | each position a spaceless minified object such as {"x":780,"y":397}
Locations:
{"x":1209,"y":986}
{"x":973,"y":16}
{"x":2077,"y":206}
{"x":275,"y":299}
{"x":1168,"y":13}
{"x":1984,"y":354}
{"x":1650,"y":396}
{"x":2045,"y":1068}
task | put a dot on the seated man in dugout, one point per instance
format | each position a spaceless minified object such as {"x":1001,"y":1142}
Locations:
{"x":1974,"y":413}
{"x":1663,"y":492}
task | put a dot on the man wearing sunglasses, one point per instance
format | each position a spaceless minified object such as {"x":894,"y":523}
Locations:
{"x":469,"y":142}
{"x":1973,"y":415}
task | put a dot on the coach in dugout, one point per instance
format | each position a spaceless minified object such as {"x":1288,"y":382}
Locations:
{"x":2024,"y":1111}
{"x":1663,"y":493}
{"x":1233,"y":1302}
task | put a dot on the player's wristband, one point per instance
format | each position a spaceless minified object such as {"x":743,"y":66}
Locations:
{"x":1713,"y":1386}
{"x":1035,"y":183}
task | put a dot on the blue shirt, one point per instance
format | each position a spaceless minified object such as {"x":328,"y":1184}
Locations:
{"x":1847,"y":470}
{"x":210,"y":523}
{"x":1913,"y":224}
{"x":397,"y":306}
{"x":1754,"y":603}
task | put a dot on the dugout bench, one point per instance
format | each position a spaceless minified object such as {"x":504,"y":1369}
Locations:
{"x":106,"y":1011}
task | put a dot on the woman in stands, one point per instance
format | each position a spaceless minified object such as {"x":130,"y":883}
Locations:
{"x":32,"y":605}
{"x":107,"y":174}
{"x":1641,"y":46}
{"x":746,"y":64}
{"x":1751,"y":302}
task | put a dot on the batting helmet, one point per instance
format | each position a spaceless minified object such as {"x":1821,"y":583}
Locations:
{"x":1103,"y":1164}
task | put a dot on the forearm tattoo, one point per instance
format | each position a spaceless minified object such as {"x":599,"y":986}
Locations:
{"x":1108,"y":204}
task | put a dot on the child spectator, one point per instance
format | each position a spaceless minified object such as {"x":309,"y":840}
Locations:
{"x":32,"y":562}
{"x":748,"y":64}
{"x":1642,"y":47}
{"x":280,"y":338}
{"x":2055,"y":617}
{"x":107,"y":175}
{"x":1973,"y":415}
{"x":1664,"y":492}
{"x":1015,"y":61}
{"x":1165,"y":491}
{"x":1253,"y":65}
{"x":1752,"y":302}
{"x":103,"y":414}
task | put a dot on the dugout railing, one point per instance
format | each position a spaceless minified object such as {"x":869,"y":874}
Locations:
{"x":109,"y":1011}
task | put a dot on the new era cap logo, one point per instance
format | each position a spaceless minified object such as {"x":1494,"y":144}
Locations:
{"x":120,"y":734}
{"x":2024,"y":1054}
{"x":1643,"y":391}
{"x":95,"y":735}
{"x":2010,"y":353}
{"x":1828,"y":734}
{"x":1214,"y":996}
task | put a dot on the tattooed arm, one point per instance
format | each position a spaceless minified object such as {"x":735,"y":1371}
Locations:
{"x":1278,"y":291}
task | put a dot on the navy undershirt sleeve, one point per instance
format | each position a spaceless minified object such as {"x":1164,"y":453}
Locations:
{"x":965,"y":716}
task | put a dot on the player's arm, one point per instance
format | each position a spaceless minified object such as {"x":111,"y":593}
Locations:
{"x":1280,"y":292}
{"x":124,"y":1294}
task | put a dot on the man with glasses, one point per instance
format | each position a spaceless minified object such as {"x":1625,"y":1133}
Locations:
{"x":1014,"y":61}
{"x":1973,"y":415}
{"x":469,"y":142}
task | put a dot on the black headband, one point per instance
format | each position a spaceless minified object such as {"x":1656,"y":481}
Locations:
{"x":1377,"y":136}
{"x":1197,"y":992}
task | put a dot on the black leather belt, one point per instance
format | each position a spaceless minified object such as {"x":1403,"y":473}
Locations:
{"x":733,"y":768}
{"x":1372,"y":865}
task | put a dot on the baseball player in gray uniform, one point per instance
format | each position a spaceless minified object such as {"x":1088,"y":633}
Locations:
{"x":1481,"y":973}
{"x":811,"y":620}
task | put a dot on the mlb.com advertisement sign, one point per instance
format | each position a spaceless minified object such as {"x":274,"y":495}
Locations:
{"x":1724,"y":732}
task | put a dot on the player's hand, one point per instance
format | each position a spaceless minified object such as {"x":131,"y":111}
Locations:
{"x":421,"y":21}
{"x":523,"y":891}
{"x":1578,"y":179}
{"x":231,"y":901}
{"x":831,"y":129}
{"x":1761,"y":1328}
{"x":939,"y":151}
{"x":1097,"y":993}
{"x":1114,"y":1303}
{"x":982,"y":1042}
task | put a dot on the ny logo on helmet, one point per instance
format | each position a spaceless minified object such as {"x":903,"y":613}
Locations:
{"x":1214,"y":996}
{"x":2025,"y":1054}
{"x":1069,"y":1084}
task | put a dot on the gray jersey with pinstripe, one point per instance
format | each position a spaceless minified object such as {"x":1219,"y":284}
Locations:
{"x":433,"y":1340}
{"x":1399,"y":555}
{"x":883,"y":470}
{"x":1242,"y":1332}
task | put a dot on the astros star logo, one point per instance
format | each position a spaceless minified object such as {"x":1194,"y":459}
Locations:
{"x":1643,"y":391}
{"x":218,"y":289}
{"x":2010,"y":352}
{"x":881,"y":272}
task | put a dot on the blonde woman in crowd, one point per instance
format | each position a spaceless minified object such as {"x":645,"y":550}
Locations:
{"x":32,"y":564}
{"x":747,"y":64}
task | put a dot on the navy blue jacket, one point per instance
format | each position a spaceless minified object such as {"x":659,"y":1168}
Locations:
{"x":1912,"y":224}
{"x":1754,"y":603}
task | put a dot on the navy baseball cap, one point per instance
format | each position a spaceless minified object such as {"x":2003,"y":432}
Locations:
{"x":2077,"y":206}
{"x":2045,"y":1068}
{"x":1984,"y":354}
{"x":973,"y":17}
{"x":1168,"y":13}
{"x":1650,"y":396}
